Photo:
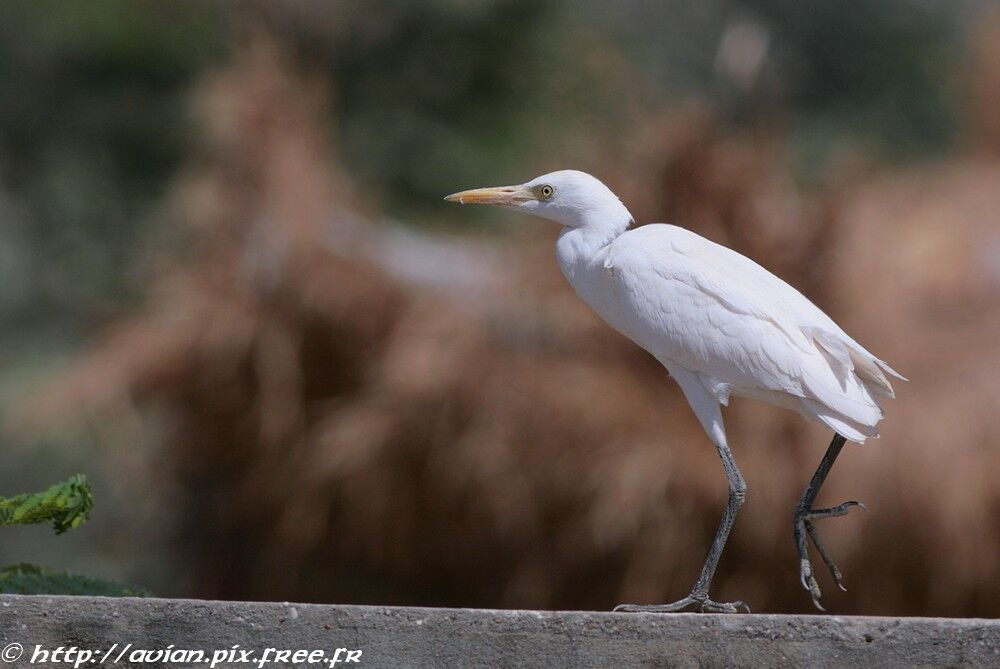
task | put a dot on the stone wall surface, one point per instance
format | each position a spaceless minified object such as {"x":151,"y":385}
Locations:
{"x":419,"y":637}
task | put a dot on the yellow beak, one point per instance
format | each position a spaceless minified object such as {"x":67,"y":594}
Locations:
{"x":503,"y":196}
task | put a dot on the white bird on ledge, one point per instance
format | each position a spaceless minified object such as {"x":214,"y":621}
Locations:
{"x":722,"y":325}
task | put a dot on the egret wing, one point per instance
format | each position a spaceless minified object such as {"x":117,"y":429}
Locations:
{"x":737,"y":331}
{"x":834,"y":343}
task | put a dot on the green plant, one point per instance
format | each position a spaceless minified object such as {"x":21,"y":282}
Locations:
{"x":66,"y":505}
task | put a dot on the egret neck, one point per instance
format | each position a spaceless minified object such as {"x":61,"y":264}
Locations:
{"x":580,"y":244}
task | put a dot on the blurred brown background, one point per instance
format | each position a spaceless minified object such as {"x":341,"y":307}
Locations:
{"x":233,"y":297}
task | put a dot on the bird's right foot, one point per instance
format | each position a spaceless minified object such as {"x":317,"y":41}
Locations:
{"x":703,"y":604}
{"x":804,"y":526}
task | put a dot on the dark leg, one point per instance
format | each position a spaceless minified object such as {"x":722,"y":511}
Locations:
{"x":699,"y":594}
{"x":803,"y":525}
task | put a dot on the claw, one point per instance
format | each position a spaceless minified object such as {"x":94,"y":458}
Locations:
{"x":853,"y":502}
{"x":704,"y":604}
{"x":838,"y":578}
{"x":806,"y":574}
{"x":833,"y":511}
{"x":809,"y":582}
{"x":708,"y":606}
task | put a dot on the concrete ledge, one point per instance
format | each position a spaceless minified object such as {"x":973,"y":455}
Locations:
{"x":418,"y":637}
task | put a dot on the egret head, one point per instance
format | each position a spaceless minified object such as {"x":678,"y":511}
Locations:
{"x":569,"y":197}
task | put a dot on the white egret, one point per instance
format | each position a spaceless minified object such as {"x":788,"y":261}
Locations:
{"x":721,"y":325}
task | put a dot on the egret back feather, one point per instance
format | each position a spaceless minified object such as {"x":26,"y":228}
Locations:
{"x":741,"y":329}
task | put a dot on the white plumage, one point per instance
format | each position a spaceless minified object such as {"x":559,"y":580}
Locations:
{"x":732,"y":326}
{"x":721,"y":324}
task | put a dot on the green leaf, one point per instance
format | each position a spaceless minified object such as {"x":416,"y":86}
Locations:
{"x":65,"y":504}
{"x":30,"y":579}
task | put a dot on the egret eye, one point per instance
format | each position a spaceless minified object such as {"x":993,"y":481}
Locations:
{"x":546,"y":191}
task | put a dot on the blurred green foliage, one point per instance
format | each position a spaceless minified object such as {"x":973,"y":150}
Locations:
{"x":29,"y":579}
{"x":443,"y":95}
{"x":875,"y":70}
{"x":92,"y":126}
{"x":428,"y":96}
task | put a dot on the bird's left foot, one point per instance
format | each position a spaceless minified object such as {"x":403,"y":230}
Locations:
{"x":804,"y":525}
{"x":703,"y":604}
